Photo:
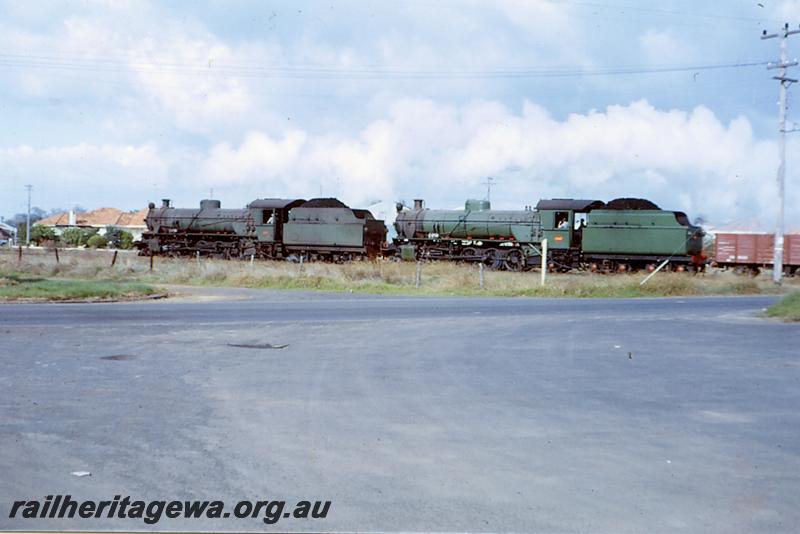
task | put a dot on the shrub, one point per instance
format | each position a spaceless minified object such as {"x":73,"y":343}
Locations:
{"x":126,"y":240}
{"x":74,"y":237}
{"x":119,"y":238}
{"x":97,"y":241}
{"x":41,"y":234}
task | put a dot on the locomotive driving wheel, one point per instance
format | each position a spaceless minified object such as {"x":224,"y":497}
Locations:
{"x":469,"y":254}
{"x":514,"y":261}
{"x":492,"y":259}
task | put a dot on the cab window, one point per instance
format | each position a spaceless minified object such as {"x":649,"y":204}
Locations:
{"x":562,"y":220}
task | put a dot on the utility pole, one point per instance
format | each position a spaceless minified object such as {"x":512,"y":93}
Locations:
{"x":782,"y":65}
{"x":28,"y":223}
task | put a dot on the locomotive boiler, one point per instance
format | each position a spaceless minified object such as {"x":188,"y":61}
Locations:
{"x":499,"y":238}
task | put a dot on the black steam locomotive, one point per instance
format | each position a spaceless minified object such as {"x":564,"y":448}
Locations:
{"x":322,"y":228}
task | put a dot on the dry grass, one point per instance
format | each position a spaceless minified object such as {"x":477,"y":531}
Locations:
{"x":378,"y":277}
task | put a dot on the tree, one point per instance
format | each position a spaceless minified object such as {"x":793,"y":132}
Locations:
{"x":22,"y":232}
{"x":20,"y":221}
{"x":76,"y":209}
{"x":37,"y":214}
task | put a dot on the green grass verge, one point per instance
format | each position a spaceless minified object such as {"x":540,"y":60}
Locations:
{"x":788,"y":308}
{"x":29,"y":288}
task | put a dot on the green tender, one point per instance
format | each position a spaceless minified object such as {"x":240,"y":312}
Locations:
{"x":635,"y":232}
{"x":324,"y":227}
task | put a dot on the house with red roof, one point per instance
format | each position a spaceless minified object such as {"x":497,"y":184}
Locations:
{"x":100,"y":219}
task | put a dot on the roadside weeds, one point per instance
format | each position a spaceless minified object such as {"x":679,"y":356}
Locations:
{"x":132,"y":274}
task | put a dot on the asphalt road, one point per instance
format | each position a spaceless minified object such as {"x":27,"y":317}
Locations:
{"x":673,"y":415}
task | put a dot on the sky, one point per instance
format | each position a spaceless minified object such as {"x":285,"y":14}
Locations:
{"x":117,"y":104}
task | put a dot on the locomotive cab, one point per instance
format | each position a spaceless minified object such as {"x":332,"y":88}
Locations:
{"x":269,"y":217}
{"x":563,"y":221}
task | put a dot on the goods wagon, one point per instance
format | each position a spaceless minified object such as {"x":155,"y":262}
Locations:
{"x":751,"y":251}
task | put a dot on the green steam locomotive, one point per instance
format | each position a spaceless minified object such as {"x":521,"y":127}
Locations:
{"x":624,"y":234}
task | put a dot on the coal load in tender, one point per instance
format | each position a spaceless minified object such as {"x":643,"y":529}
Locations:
{"x":324,"y":203}
{"x":631,"y":204}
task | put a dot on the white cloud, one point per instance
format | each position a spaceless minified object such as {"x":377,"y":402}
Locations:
{"x":258,"y":155}
{"x":661,"y":47}
{"x":182,"y":73}
{"x":421,"y":148}
{"x":176,"y":74}
{"x":110,"y":175}
{"x":541,"y":18}
{"x":681,"y":160}
{"x":789,"y":11}
{"x":143,"y":119}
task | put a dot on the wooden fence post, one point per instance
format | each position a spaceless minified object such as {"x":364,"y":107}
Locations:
{"x":151,"y":262}
{"x":56,"y":251}
{"x":114,"y":258}
{"x":19,"y":253}
{"x":418,"y":276}
{"x":480,"y":269}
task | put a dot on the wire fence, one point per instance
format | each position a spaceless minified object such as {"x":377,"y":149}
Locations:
{"x":112,"y":263}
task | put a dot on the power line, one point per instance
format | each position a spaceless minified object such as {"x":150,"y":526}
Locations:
{"x":285,"y":71}
{"x":606,"y":11}
{"x":689,"y":13}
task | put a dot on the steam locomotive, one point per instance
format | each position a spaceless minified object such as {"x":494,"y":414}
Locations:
{"x":624,"y":234}
{"x":268,"y":228}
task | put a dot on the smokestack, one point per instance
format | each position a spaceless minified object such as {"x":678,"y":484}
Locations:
{"x":418,"y":203}
{"x":164,"y":202}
